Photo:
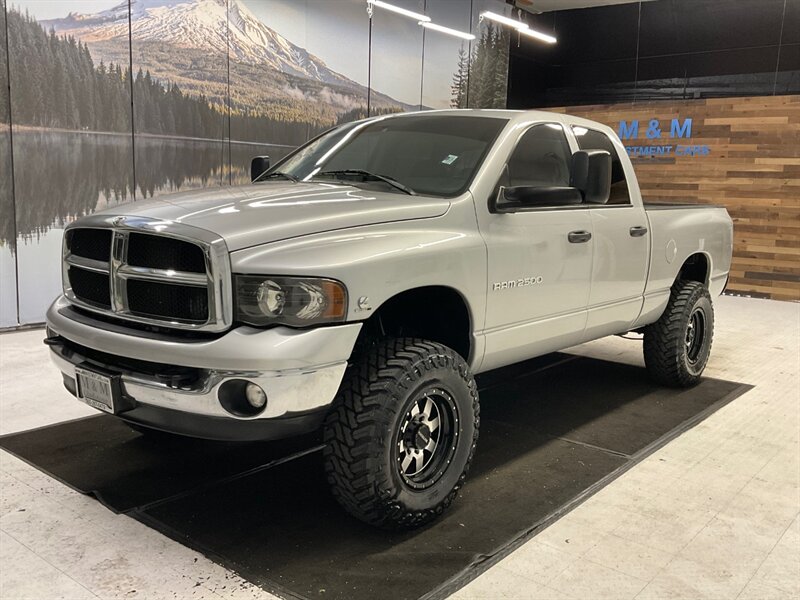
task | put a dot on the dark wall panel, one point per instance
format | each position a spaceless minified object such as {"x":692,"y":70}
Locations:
{"x":593,"y":35}
{"x":791,"y":23}
{"x":686,"y":49}
{"x":596,"y":75}
{"x":681,"y":26}
{"x":788,"y":76}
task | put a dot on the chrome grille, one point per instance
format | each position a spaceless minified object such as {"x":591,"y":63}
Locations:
{"x":163,"y":300}
{"x":155,"y":272}
{"x":90,"y":286}
{"x":90,"y":243}
{"x":157,"y":252}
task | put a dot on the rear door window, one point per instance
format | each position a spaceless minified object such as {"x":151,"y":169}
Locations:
{"x":590,"y":139}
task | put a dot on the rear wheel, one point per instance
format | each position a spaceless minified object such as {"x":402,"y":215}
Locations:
{"x":402,"y":433}
{"x":677,"y":346}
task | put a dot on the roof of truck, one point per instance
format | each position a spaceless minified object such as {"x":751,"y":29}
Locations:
{"x":521,"y":116}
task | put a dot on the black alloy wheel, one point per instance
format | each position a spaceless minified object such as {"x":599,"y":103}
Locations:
{"x":427,"y":438}
{"x":695,"y":335}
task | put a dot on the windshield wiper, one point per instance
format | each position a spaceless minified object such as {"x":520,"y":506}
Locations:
{"x":366,"y":174}
{"x":280,"y":174}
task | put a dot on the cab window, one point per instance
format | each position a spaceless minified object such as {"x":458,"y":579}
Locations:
{"x":541,"y":158}
{"x":589,"y":139}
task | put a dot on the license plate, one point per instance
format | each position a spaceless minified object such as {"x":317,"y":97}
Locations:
{"x":95,"y":389}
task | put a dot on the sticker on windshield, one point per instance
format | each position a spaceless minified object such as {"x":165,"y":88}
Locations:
{"x":451,"y":158}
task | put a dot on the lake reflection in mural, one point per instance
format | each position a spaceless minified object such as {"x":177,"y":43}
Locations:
{"x":8,"y":267}
{"x":63,"y":176}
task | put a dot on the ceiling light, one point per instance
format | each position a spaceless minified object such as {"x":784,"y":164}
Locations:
{"x":504,"y":20}
{"x":399,"y":11}
{"x":519,"y":26}
{"x":538,"y":35}
{"x":448,"y":31}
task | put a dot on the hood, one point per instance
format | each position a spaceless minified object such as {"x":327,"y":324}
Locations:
{"x":260,"y":213}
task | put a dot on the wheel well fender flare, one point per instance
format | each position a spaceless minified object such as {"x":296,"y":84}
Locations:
{"x":441,"y":313}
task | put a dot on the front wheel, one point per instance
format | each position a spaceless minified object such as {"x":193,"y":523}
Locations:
{"x":401,"y":435}
{"x":677,"y":346}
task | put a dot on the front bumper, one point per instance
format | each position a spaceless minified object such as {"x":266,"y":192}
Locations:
{"x":171,"y":383}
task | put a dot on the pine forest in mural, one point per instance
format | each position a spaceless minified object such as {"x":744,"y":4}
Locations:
{"x":481,"y":78}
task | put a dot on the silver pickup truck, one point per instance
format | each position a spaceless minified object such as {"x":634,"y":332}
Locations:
{"x":358,"y":285}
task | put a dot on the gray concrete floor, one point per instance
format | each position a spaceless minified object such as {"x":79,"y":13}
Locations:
{"x":714,"y":514}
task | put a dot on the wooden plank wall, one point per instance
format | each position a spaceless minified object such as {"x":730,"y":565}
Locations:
{"x":753,"y":169}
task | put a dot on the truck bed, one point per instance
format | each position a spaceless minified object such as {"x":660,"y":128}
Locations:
{"x":679,"y":231}
{"x":677,"y":205}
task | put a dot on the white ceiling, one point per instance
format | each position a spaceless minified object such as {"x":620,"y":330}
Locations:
{"x":537,"y":6}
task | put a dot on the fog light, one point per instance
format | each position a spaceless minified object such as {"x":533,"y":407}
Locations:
{"x":255,"y":395}
{"x":242,"y":398}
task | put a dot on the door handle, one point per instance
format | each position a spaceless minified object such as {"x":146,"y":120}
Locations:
{"x":579,"y":237}
{"x":638,"y":231}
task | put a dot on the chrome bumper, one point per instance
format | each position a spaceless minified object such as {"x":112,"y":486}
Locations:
{"x":300,"y":371}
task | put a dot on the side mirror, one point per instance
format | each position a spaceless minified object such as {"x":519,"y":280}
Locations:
{"x":258,"y":166}
{"x":591,"y":174}
{"x":513,"y":199}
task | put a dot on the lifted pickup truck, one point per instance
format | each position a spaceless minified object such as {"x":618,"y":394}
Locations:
{"x":361,"y":282}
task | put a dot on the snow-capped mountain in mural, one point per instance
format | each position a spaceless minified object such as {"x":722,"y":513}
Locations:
{"x":208,"y":25}
{"x":189,"y":42}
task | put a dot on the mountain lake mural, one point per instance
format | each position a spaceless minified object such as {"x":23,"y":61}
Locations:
{"x":114,"y":101}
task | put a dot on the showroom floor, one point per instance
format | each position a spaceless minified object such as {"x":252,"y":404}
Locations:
{"x":714,"y":514}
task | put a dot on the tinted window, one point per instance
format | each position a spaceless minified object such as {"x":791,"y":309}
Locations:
{"x":589,"y":139}
{"x":435,"y":155}
{"x":541,"y":158}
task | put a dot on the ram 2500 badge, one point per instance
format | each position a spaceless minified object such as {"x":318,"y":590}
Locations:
{"x":360,"y":283}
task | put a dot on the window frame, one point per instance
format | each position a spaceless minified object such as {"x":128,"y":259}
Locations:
{"x":572,"y":142}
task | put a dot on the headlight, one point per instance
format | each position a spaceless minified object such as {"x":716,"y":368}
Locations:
{"x":299,"y":301}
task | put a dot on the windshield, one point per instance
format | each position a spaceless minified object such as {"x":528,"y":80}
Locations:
{"x":435,"y":155}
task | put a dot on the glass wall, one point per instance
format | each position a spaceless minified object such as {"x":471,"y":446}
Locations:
{"x":120,"y":101}
{"x":446,"y":59}
{"x":8,"y":261}
{"x":70,"y":114}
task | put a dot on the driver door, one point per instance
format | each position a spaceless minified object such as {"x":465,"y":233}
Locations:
{"x":538,"y":276}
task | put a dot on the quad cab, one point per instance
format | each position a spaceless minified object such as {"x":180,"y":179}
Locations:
{"x":360,"y":283}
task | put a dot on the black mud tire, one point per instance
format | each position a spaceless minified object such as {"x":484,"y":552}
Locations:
{"x":364,"y":432}
{"x":673,"y":354}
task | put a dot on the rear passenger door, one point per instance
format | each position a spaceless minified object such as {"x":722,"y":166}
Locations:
{"x":621,"y":247}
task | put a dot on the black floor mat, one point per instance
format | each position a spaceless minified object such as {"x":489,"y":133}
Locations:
{"x":553,"y":430}
{"x":125,"y":470}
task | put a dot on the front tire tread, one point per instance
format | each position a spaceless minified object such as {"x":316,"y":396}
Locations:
{"x":356,"y":429}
